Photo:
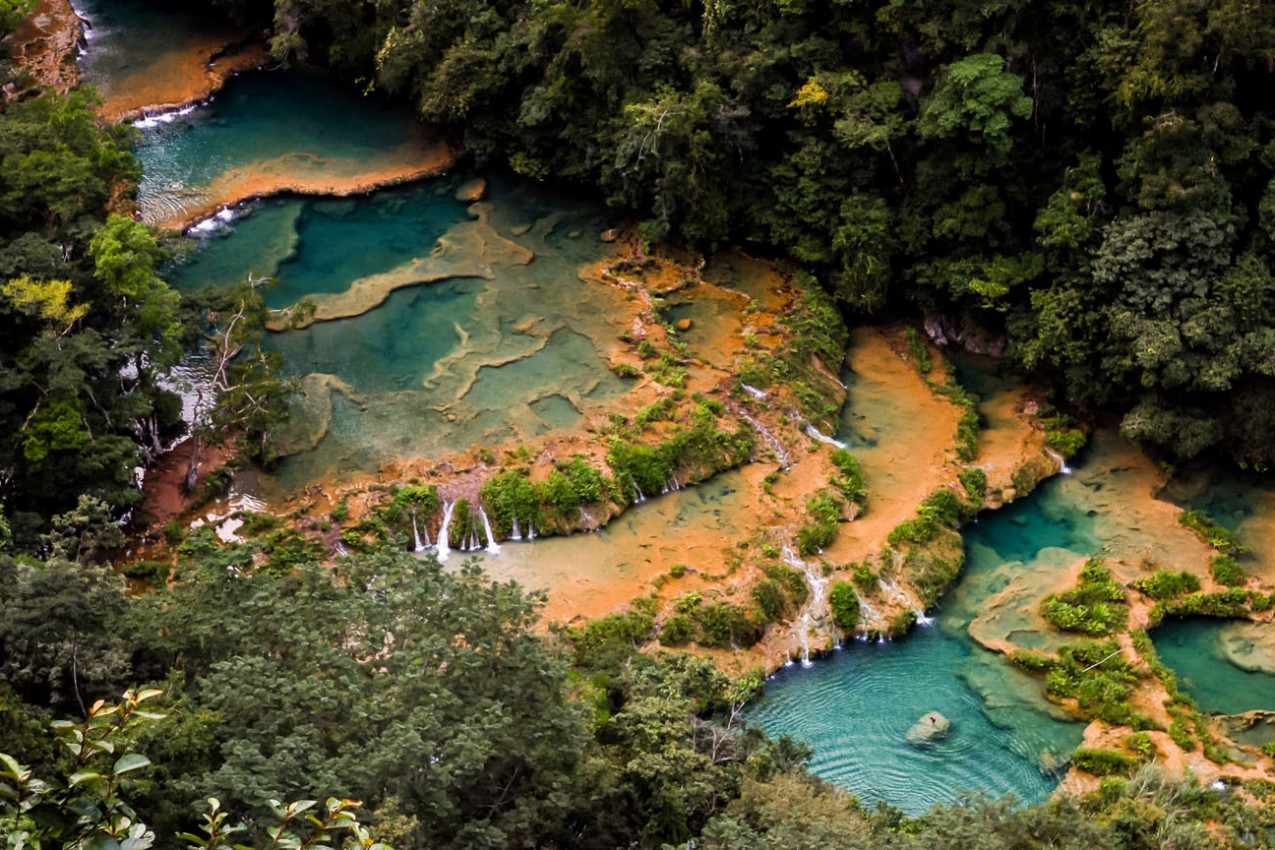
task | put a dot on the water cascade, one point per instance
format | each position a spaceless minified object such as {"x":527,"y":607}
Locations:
{"x":815,"y":434}
{"x":444,"y":540}
{"x":341,"y":550}
{"x":780,"y":454}
{"x":416,"y":533}
{"x":640,"y":498}
{"x":818,"y":585}
{"x":891,"y":587}
{"x":516,"y":532}
{"x":493,"y":548}
{"x":1062,"y":461}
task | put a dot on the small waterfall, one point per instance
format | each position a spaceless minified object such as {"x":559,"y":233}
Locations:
{"x":531,"y":530}
{"x":818,"y":585}
{"x":866,"y":611}
{"x":815,"y":434}
{"x":444,"y":539}
{"x":753,"y":391}
{"x":341,"y":550}
{"x":1062,"y":461}
{"x":892,"y":587}
{"x":418,"y":544}
{"x":493,"y":547}
{"x":640,"y":498}
{"x":516,"y":533}
{"x":771,"y":440}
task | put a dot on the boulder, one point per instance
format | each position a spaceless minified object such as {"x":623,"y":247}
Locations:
{"x":472,"y":190}
{"x":683,"y":324}
{"x":930,"y":728}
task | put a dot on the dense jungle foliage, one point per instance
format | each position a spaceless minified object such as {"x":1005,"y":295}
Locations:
{"x":1091,"y":182}
{"x":425,"y":695}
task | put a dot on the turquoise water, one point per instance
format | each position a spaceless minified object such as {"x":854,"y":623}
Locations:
{"x":285,"y":125}
{"x":856,"y":706}
{"x":320,"y":245}
{"x":1195,"y":650}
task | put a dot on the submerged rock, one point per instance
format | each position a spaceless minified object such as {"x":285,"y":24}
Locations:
{"x":472,"y":190}
{"x":683,"y":324}
{"x":930,"y":728}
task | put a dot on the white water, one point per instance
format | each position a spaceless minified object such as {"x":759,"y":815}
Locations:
{"x":444,"y":541}
{"x":815,"y":434}
{"x":1062,"y":461}
{"x":150,"y":122}
{"x":493,"y":547}
{"x":818,"y":584}
{"x":416,"y":534}
{"x":892,"y":587}
{"x":771,"y":439}
{"x":516,"y":532}
{"x":753,"y":391}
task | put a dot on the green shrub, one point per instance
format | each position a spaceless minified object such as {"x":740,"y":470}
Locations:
{"x":509,"y":497}
{"x":844,"y":602}
{"x":864,"y":578}
{"x":1166,"y":585}
{"x":1140,"y":743}
{"x":340,"y":511}
{"x":770,"y":599}
{"x":849,"y":479}
{"x":974,"y":481}
{"x":1217,"y":536}
{"x":931,"y":575}
{"x":646,"y":350}
{"x":677,"y":630}
{"x":689,"y":602}
{"x":1181,"y":735}
{"x":677,"y":570}
{"x":1227,"y":571}
{"x":1101,"y":762}
{"x":819,"y":533}
{"x":625,"y":370}
{"x":1096,"y":606}
{"x":256,"y":523}
{"x":902,"y":622}
{"x":723,"y":625}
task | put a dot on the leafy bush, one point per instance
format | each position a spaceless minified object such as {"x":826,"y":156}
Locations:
{"x":1166,"y":585}
{"x":147,"y":570}
{"x":678,"y":630}
{"x":509,"y":497}
{"x":974,"y":481}
{"x":340,"y":511}
{"x":844,"y":602}
{"x":1217,"y":536}
{"x":1101,"y":762}
{"x":849,"y":479}
{"x":1096,"y":606}
{"x":821,"y":530}
{"x":864,"y":578}
{"x":902,"y":622}
{"x":1227,"y":571}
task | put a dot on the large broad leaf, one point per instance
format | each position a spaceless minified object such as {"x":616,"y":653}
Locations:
{"x":81,"y":776}
{"x":11,"y":766}
{"x":130,"y":762}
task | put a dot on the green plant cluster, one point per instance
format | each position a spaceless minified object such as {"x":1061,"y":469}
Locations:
{"x":1211,"y":532}
{"x":941,"y":509}
{"x":849,"y":480}
{"x":781,"y":594}
{"x":974,"y":480}
{"x":844,"y":602}
{"x":1163,"y":584}
{"x":824,"y":515}
{"x":1104,"y":762}
{"x":1097,"y":605}
{"x":716,"y":625}
{"x":1227,"y":604}
{"x":863,"y":577}
{"x":1096,"y":675}
{"x":1060,"y":432}
{"x":1227,"y":571}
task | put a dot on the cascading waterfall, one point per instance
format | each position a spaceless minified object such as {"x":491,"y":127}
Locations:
{"x":640,"y":498}
{"x":817,"y":586}
{"x":341,"y":550}
{"x":754,"y":392}
{"x":867,"y":613}
{"x":444,"y":539}
{"x":1062,"y":461}
{"x":892,"y":587}
{"x":815,"y":434}
{"x":531,"y":530}
{"x":493,"y":547}
{"x":780,"y":454}
{"x":516,"y":532}
{"x":416,"y":534}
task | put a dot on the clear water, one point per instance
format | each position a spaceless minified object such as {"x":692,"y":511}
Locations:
{"x":268,"y":129}
{"x":1204,"y":653}
{"x":308,"y":245}
{"x":135,"y":44}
